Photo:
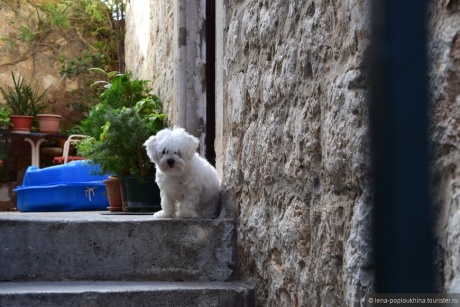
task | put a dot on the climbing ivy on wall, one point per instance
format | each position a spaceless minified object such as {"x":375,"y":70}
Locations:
{"x":96,"y":24}
{"x":73,"y":36}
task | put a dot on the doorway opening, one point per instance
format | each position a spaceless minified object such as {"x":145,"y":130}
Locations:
{"x":210,"y":72}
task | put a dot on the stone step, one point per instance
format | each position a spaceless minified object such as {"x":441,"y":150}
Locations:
{"x":122,"y":293}
{"x":99,"y":246}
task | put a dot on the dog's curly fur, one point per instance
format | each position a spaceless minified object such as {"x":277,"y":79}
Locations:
{"x":189,"y":185}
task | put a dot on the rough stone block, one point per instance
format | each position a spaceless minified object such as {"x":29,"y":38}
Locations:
{"x":150,"y":294}
{"x":92,"y":246}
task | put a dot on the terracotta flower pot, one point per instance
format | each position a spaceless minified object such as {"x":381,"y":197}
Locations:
{"x":21,"y":123}
{"x":112,"y":185}
{"x":49,"y":123}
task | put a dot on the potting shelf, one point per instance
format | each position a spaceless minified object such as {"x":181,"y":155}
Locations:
{"x":35,"y":140}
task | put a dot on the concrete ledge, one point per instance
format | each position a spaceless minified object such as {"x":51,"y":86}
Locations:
{"x":92,"y":246}
{"x":110,"y":293}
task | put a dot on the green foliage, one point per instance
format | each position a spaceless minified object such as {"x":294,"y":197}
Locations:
{"x":121,"y":91}
{"x":9,"y":41}
{"x":81,"y":65}
{"x":23,"y":98}
{"x":125,"y":117}
{"x":4,"y":118}
{"x":26,"y":34}
{"x":149,"y":108}
{"x":57,"y":14}
{"x":57,"y":27}
{"x":120,"y":150}
{"x":96,"y":24}
{"x":87,"y":18}
{"x":125,"y":92}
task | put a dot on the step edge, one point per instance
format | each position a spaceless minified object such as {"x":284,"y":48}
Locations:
{"x":75,"y":287}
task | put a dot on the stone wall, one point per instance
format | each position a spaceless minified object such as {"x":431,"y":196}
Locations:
{"x":37,"y":61}
{"x":444,"y":52}
{"x":295,"y":158}
{"x":149,"y":48}
{"x":292,"y":141}
{"x":166,"y":44}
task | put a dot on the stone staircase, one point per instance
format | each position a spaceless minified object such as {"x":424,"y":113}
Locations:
{"x":103,"y":259}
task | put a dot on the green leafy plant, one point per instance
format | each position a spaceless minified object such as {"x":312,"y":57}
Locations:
{"x":23,"y":98}
{"x":126,"y":116}
{"x":149,"y":108}
{"x":4,"y":118}
{"x":81,"y":65}
{"x":119,"y":150}
{"x":97,"y":24}
{"x":80,"y":34}
{"x":121,"y":90}
{"x":57,"y":14}
{"x":26,"y":34}
{"x":101,"y":21}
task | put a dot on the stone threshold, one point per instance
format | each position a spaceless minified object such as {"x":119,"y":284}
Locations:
{"x":76,"y":216}
{"x":89,"y":216}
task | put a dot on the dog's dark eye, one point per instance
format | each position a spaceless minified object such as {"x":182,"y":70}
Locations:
{"x":179,"y":154}
{"x":164,"y":151}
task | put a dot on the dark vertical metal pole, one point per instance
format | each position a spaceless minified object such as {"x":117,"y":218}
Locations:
{"x":399,"y":124}
{"x":210,"y":81}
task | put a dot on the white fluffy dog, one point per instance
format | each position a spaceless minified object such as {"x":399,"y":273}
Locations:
{"x":189,"y":185}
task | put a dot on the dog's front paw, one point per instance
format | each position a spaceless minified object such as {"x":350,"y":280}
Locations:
{"x":158,"y":215}
{"x":161,"y":215}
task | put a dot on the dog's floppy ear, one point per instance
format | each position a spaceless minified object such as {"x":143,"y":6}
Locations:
{"x":190,"y":147}
{"x":151,"y":147}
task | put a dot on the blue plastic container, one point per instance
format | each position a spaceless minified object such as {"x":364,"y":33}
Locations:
{"x":75,"y":171}
{"x":70,"y":187}
{"x":76,"y":196}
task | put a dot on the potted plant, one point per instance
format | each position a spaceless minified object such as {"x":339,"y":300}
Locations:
{"x":119,"y":150}
{"x":49,"y":123}
{"x":24,"y":103}
{"x":112,"y":186}
{"x":121,"y":90}
{"x":117,"y":132}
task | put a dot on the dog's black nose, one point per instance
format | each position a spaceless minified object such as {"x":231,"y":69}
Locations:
{"x":170,"y":162}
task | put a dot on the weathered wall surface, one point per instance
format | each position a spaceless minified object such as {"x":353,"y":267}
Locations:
{"x":292,"y":141}
{"x":165,"y":43}
{"x":444,"y":52}
{"x":149,"y":47}
{"x":295,"y":153}
{"x":37,"y":61}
